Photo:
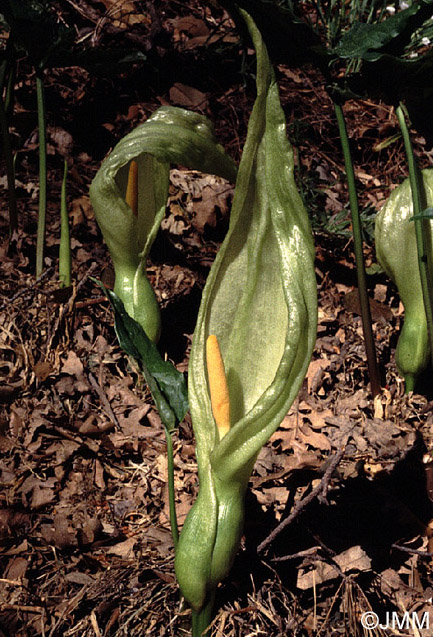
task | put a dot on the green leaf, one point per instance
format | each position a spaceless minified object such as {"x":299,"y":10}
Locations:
{"x":367,"y":41}
{"x":166,"y":384}
{"x":424,"y":214}
{"x":35,"y":27}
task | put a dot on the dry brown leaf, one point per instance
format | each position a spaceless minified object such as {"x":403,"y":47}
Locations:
{"x":353,"y":559}
{"x":16,"y":568}
{"x":213,"y":205}
{"x":124,"y":13}
{"x":124,"y":549}
{"x":292,"y":462}
{"x":42,"y":369}
{"x":13,"y":522}
{"x":81,"y":209}
{"x":318,"y":418}
{"x":41,"y":496}
{"x":99,"y":475}
{"x":72,"y":365}
{"x":187,"y":96}
{"x":315,"y":373}
{"x":60,"y":533}
{"x":379,"y":311}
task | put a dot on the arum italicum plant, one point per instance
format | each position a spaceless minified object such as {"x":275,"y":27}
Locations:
{"x":253,"y":340}
{"x":129,"y":196}
{"x":398,"y":254}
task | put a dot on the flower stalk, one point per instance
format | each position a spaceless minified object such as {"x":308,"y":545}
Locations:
{"x":370,"y":348}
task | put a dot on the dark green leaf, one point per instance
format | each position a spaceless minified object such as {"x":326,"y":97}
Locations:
{"x":424,"y":214}
{"x":289,"y":39}
{"x":367,"y":41}
{"x":166,"y":384}
{"x":35,"y":28}
{"x":101,"y":61}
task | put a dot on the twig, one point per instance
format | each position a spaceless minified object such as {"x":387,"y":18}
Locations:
{"x":321,"y":488}
{"x":412,"y":551}
{"x":12,"y":582}
{"x":24,"y":609}
{"x":103,"y":398}
{"x":67,"y":307}
{"x":306,"y":553}
{"x":24,"y":291}
{"x":94,"y":622}
{"x":96,"y":301}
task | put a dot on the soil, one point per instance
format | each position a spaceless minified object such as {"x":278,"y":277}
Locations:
{"x":345,"y":485}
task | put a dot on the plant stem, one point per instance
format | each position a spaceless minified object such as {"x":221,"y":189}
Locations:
{"x":421,"y":227}
{"x":370,"y":348}
{"x":7,"y":149}
{"x":3,"y":71}
{"x":171,"y":492}
{"x":10,"y":93}
{"x":65,"y":240}
{"x":200,"y":621}
{"x":40,"y":239}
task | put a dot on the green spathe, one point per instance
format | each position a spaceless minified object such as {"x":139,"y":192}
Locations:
{"x":396,"y":251}
{"x":260,"y":300}
{"x":170,"y":135}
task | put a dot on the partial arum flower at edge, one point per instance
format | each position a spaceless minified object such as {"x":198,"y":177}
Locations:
{"x":260,"y":301}
{"x":129,"y":196}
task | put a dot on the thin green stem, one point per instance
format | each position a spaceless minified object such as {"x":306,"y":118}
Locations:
{"x":65,"y":239}
{"x":171,"y":492}
{"x":42,"y":133}
{"x":7,"y":148}
{"x":421,"y":227}
{"x":370,"y":348}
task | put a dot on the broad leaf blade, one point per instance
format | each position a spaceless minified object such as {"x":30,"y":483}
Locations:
{"x":166,"y":384}
{"x":368,"y":41}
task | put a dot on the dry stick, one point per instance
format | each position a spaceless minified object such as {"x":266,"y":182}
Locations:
{"x":67,"y":307}
{"x":27,"y":289}
{"x":312,"y":552}
{"x":104,"y":400}
{"x":98,"y":300}
{"x":299,"y":508}
{"x":405,"y":549}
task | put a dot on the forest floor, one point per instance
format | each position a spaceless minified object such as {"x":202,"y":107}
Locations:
{"x":85,"y":543}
